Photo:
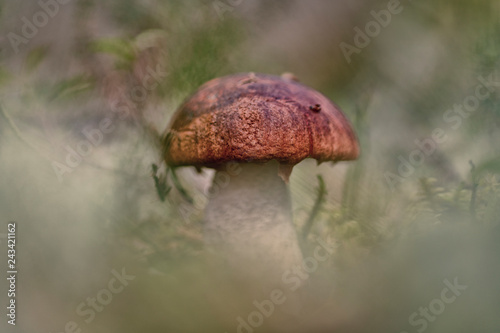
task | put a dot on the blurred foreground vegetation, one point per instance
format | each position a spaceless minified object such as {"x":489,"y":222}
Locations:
{"x":402,"y":221}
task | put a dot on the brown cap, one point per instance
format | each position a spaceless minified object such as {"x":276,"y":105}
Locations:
{"x":257,"y":117}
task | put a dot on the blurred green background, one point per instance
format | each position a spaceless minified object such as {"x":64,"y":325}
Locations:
{"x":420,"y":206}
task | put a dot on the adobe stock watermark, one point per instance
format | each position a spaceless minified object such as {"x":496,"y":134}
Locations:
{"x":89,"y":308}
{"x":220,"y":181}
{"x":373,"y":28}
{"x":94,"y":135}
{"x":292,"y":279}
{"x":30,"y":27}
{"x":421,"y":318}
{"x":221,"y":7}
{"x":453,"y":118}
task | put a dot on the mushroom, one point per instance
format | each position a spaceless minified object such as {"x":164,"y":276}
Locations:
{"x":266,"y":124}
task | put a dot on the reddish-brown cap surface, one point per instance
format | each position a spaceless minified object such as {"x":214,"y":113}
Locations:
{"x":257,"y":117}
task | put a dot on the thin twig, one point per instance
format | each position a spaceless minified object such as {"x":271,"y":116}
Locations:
{"x":316,"y":208}
{"x":19,"y":134}
{"x":179,"y":186}
{"x":475,"y":184}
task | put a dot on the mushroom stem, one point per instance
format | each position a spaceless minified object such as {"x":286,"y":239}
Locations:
{"x":248,"y":219}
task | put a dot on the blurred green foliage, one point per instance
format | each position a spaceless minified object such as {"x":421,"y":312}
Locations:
{"x":388,"y":104}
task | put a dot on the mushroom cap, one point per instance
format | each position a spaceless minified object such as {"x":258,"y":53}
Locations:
{"x":251,"y":117}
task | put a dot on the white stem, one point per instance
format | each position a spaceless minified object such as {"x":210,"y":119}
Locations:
{"x":248,"y":218}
